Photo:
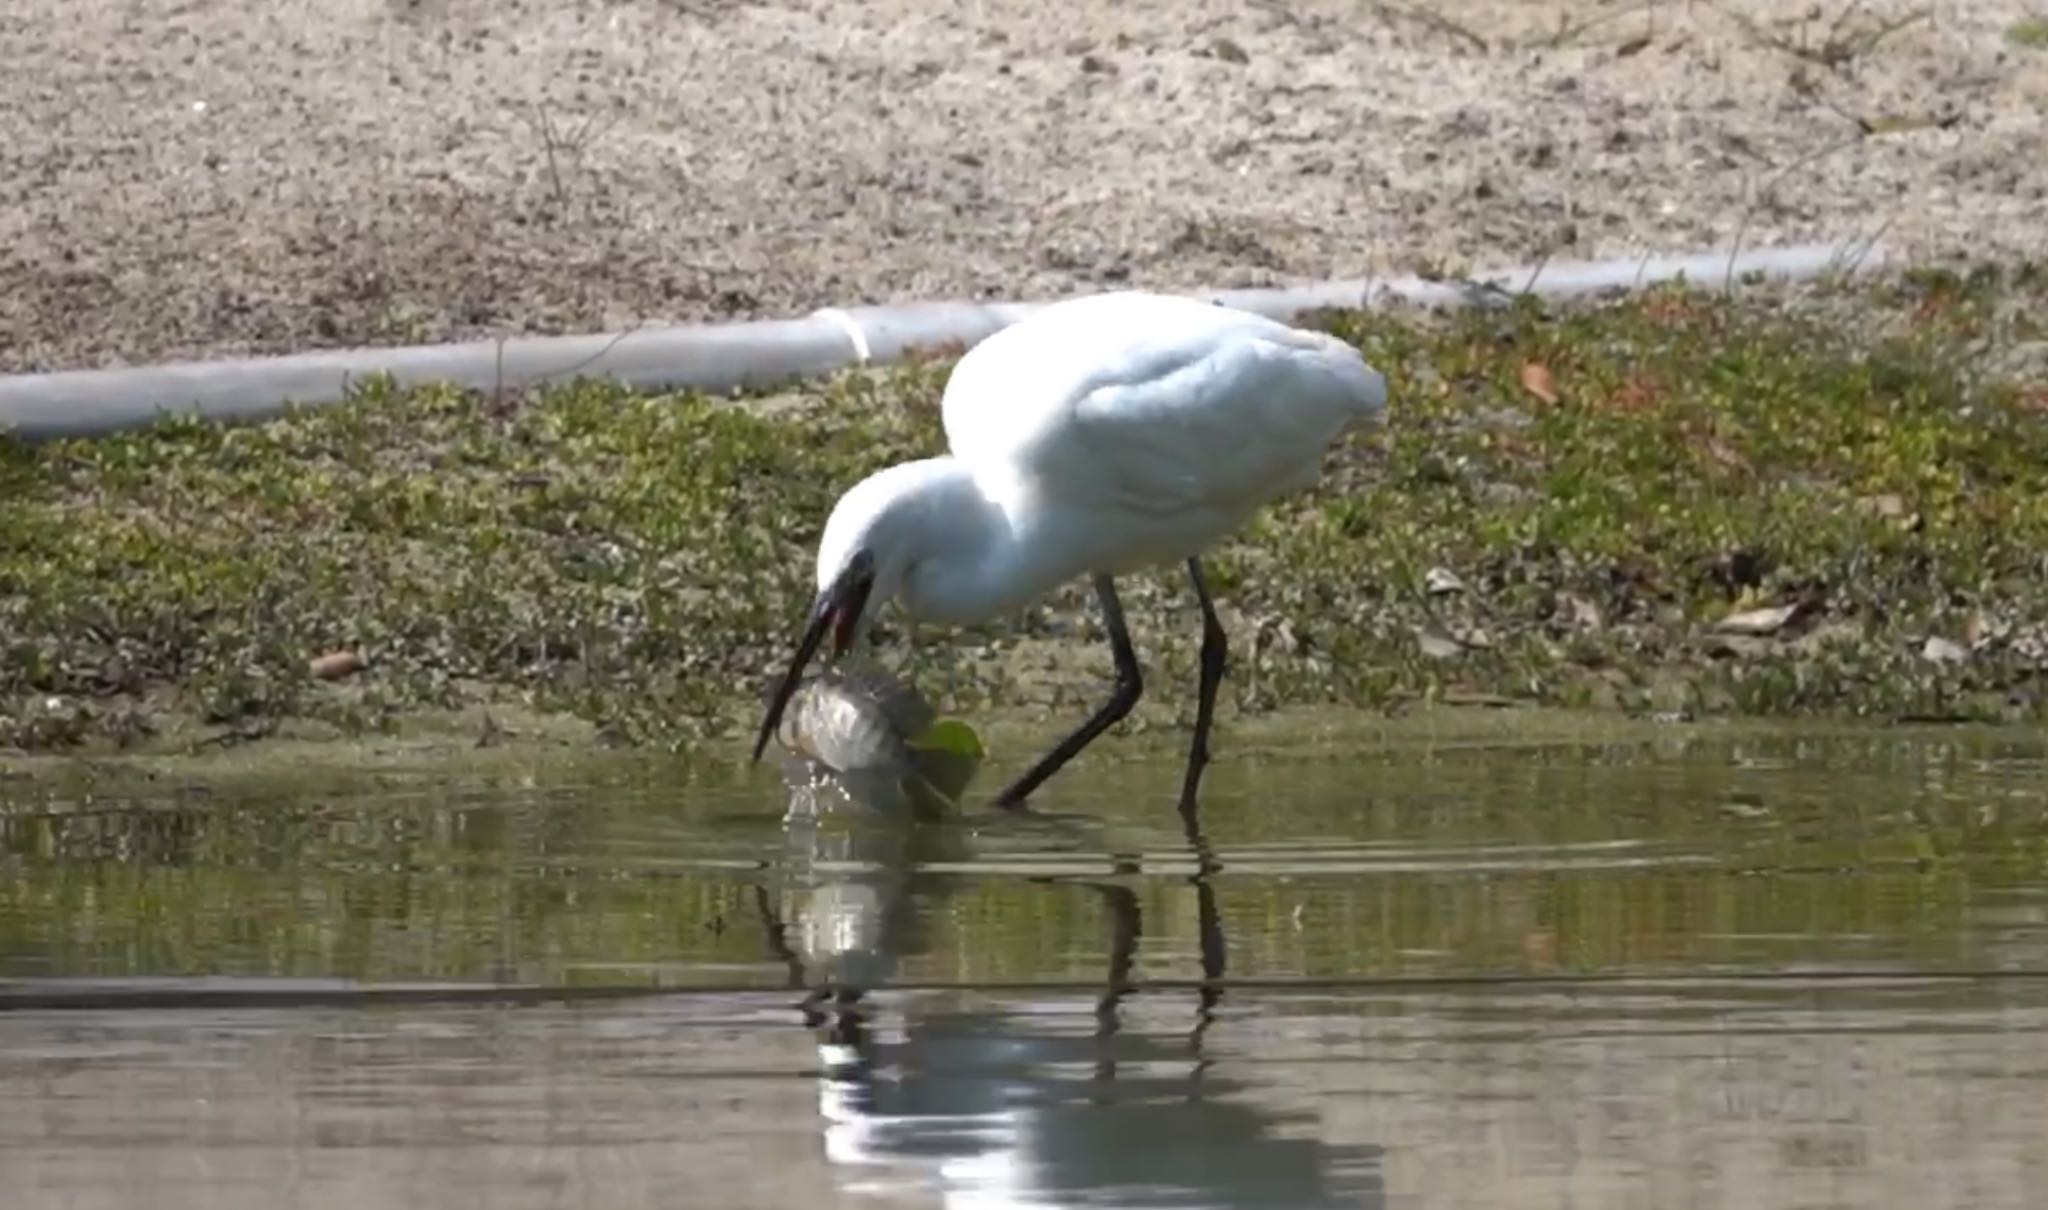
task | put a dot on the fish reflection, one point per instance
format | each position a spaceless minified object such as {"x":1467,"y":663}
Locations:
{"x":1018,"y":1105}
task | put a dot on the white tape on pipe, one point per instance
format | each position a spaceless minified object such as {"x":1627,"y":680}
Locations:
{"x":847,"y":324}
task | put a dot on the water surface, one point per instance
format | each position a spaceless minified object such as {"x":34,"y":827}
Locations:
{"x":1698,"y":970}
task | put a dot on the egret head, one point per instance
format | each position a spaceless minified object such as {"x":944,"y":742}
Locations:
{"x":870,"y":541}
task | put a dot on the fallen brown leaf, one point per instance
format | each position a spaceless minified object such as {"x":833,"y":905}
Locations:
{"x":1639,"y":393}
{"x":1727,"y":457}
{"x":1536,"y":380}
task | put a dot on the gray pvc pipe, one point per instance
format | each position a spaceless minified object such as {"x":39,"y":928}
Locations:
{"x":721,"y":357}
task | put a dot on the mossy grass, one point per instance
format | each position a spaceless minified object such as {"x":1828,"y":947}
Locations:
{"x":1563,"y":506}
{"x":2028,"y":33}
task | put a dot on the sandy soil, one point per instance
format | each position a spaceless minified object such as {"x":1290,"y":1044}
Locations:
{"x":187,"y":177}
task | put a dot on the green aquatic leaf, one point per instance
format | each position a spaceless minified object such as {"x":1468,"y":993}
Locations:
{"x":947,"y":755}
{"x":951,"y":736}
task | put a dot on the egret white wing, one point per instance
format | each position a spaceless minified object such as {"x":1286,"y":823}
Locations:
{"x":1156,"y":403}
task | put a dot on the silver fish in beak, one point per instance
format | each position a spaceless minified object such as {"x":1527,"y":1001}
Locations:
{"x":877,"y":740}
{"x":838,"y":609}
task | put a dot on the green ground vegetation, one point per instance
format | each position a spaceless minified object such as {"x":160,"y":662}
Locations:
{"x":2029,"y":33}
{"x":1686,"y":501}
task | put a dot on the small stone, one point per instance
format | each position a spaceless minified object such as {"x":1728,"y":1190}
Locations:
{"x":335,"y":665}
{"x":1097,"y":65}
{"x":1580,"y":613}
{"x":1441,"y":581}
{"x":1939,"y":650}
{"x":1740,"y":646}
{"x":1758,"y":621}
{"x":1842,"y":635}
{"x":1473,"y":639}
{"x":1437,"y":646}
{"x":1229,"y":51}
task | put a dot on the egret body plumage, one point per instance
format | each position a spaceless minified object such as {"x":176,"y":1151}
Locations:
{"x":1096,"y":436}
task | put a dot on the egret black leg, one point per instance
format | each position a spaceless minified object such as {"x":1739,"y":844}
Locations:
{"x":1126,"y":919}
{"x":1130,"y":683}
{"x":1208,"y":925}
{"x":1214,"y":650}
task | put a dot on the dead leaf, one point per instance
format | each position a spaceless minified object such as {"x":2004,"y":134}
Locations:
{"x":1727,"y":457}
{"x":1536,"y":380}
{"x":1890,"y":507}
{"x":1674,"y":309}
{"x":1639,"y":393}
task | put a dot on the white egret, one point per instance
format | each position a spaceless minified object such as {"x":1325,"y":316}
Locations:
{"x":1096,"y":436}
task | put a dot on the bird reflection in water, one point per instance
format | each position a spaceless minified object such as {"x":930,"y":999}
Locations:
{"x":1017,"y":1104}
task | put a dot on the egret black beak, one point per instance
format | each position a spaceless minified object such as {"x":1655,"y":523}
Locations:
{"x":838,"y":609}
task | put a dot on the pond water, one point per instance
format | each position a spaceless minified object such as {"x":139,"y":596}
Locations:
{"x":1702,"y":969}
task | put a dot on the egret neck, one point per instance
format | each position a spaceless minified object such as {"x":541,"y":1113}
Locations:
{"x":928,"y":535}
